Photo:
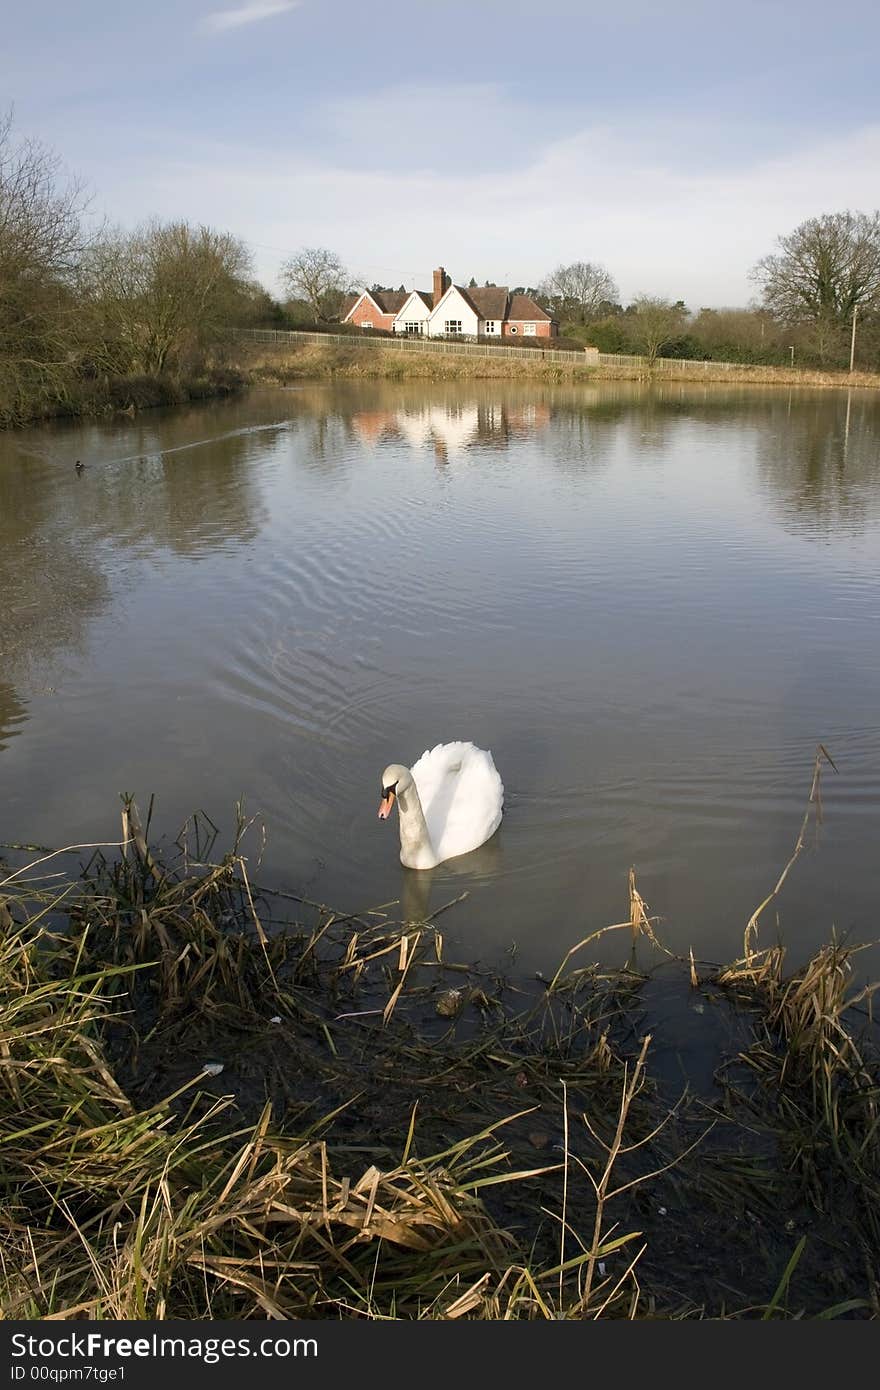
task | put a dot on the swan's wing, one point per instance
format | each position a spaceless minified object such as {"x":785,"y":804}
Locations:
{"x":437,"y":770}
{"x":462,"y":796}
{"x":435,"y":767}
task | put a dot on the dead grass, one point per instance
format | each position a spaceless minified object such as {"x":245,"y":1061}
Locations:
{"x":281,"y":365}
{"x":425,"y":1141}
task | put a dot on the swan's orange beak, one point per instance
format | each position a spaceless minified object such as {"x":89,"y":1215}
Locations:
{"x":385,"y":804}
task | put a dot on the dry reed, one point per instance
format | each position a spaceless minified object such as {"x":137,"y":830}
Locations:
{"x":368,"y":1150}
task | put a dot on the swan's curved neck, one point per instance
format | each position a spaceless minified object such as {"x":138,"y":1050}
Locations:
{"x":416,"y":850}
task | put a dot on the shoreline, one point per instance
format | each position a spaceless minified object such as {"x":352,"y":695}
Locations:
{"x":110,"y":397}
{"x":244,"y":1107}
{"x":283,"y":366}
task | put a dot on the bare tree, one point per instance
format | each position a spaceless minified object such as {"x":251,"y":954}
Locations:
{"x":824,"y":270}
{"x":41,"y":240}
{"x":653,"y":323}
{"x":319,"y":277}
{"x":162,"y":297}
{"x":40,"y":208}
{"x":751,"y":330}
{"x":579,"y":292}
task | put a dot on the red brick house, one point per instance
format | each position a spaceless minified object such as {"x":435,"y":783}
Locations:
{"x":525,"y":318}
{"x":376,"y":309}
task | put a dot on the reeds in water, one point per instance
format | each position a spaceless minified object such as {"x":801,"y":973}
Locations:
{"x":209,"y":1110}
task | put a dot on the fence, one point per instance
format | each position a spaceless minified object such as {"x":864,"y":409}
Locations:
{"x":589,"y":357}
{"x":674,"y":364}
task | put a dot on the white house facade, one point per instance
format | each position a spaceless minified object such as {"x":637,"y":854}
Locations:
{"x":412,"y":319}
{"x":454,"y":316}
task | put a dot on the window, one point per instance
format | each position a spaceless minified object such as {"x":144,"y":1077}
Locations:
{"x":410,"y":327}
{"x":366,"y":324}
{"x":529,"y":329}
{"x":452,"y":326}
{"x":491,"y":326}
{"x":513,"y":328}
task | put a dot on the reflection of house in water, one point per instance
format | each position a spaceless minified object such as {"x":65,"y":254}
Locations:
{"x":451,"y":429}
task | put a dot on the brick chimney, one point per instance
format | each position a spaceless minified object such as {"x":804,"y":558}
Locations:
{"x":441,"y":284}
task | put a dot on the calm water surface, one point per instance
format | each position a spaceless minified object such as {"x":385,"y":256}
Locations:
{"x":650,"y":604}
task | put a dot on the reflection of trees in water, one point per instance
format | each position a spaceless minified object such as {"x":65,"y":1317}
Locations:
{"x":806,"y":453}
{"x":647,"y":418}
{"x":12,"y":713}
{"x":581,"y":431}
{"x":577,"y":422}
{"x":818,"y":460}
{"x":189,"y":496}
{"x":816,"y":450}
{"x":58,"y":531}
{"x":50,"y":580}
{"x":324,"y":442}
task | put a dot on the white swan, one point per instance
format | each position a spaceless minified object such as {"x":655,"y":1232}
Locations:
{"x":449,"y":803}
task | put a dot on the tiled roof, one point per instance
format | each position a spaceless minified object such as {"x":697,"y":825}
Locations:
{"x":523,"y":307}
{"x":496,"y":302}
{"x":489,"y":301}
{"x":389,"y":301}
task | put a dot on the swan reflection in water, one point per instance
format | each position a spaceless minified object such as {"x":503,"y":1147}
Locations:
{"x":455,"y":876}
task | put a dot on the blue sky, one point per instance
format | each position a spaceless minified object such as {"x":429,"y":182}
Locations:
{"x":672,"y":142}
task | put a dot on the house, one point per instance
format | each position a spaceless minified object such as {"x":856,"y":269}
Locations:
{"x":488,"y":311}
{"x":376,"y":309}
{"x":413,"y":315}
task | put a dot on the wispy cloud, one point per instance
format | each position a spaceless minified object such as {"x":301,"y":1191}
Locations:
{"x":221,"y":20}
{"x":677,"y":208}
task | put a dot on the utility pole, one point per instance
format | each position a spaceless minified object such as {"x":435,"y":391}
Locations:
{"x":852,"y":347}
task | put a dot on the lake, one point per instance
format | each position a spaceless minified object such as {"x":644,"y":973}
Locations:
{"x":651,"y":603}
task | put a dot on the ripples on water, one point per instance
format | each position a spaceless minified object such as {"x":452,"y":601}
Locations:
{"x":650,"y":605}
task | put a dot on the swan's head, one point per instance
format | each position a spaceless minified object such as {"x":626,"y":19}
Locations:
{"x":395,"y":779}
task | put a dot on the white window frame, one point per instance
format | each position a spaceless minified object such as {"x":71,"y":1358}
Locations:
{"x":491,"y":326}
{"x":411,"y":327}
{"x":529,"y":330}
{"x":367,"y":323}
{"x":513,"y":328}
{"x":452,"y":327}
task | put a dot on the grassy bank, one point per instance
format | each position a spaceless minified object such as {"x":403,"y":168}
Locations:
{"x":220,"y":1102}
{"x":269,"y":364}
{"x":280,"y":366}
{"x":103,"y":396}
